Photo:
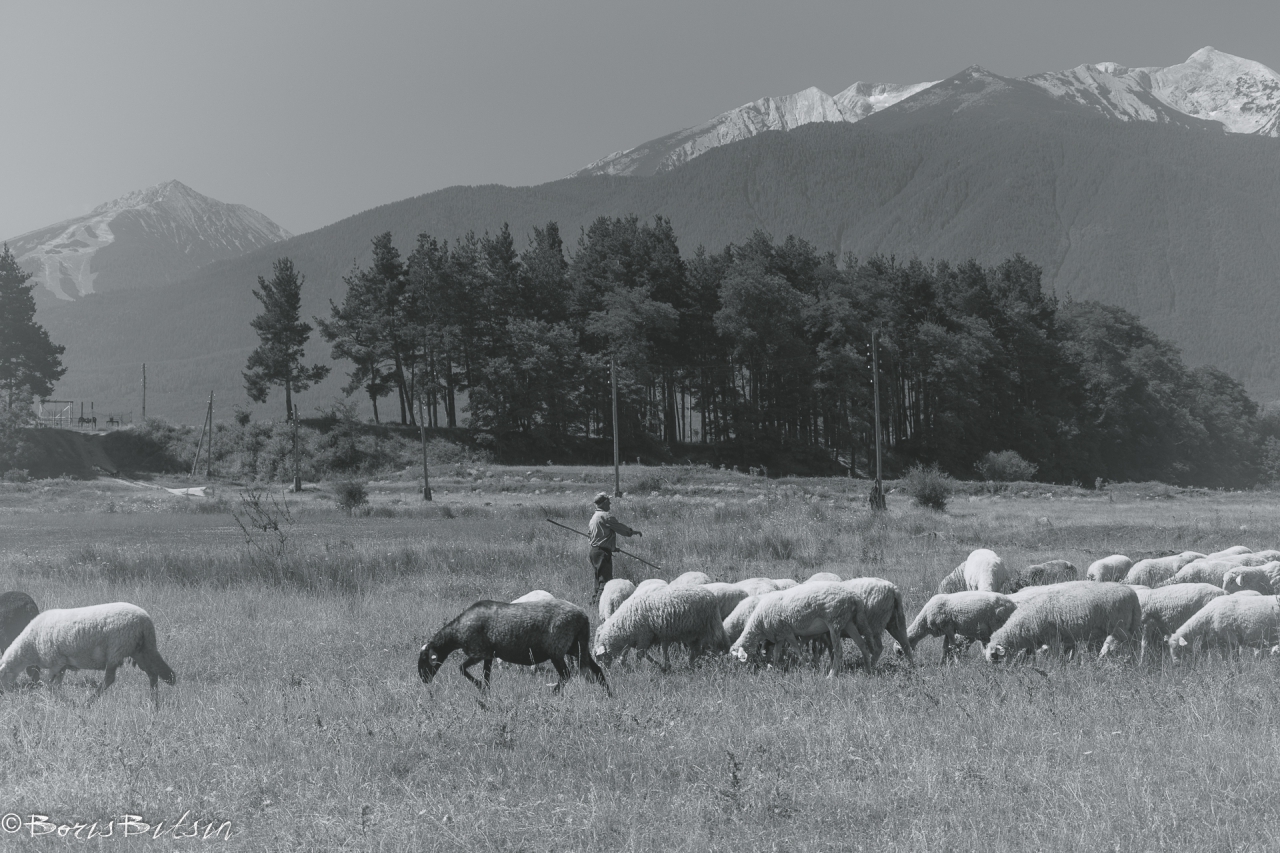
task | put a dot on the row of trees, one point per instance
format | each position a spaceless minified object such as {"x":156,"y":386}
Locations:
{"x":764,"y":346}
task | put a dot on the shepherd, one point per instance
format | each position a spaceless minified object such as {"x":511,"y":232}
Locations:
{"x":603,"y":532}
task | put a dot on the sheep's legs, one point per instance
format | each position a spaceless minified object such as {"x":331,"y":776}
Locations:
{"x":561,"y":670}
{"x":472,"y":661}
{"x":947,"y":640}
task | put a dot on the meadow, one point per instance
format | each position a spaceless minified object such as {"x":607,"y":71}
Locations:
{"x":299,"y":717}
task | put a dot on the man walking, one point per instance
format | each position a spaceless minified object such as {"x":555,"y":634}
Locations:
{"x":602,"y":532}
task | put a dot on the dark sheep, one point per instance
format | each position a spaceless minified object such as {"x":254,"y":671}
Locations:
{"x":527,"y":633}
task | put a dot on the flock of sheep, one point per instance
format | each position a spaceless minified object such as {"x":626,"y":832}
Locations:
{"x":1227,"y":599}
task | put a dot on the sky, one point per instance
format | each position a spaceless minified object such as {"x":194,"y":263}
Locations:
{"x":313,"y":111}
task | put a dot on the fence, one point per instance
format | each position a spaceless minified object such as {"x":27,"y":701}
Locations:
{"x":68,"y":414}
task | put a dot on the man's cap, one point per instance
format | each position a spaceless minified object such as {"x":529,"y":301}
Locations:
{"x":601,"y":499}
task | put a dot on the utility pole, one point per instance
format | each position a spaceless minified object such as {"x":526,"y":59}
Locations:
{"x":877,"y":491}
{"x":613,"y":382}
{"x":208,"y":455}
{"x":144,"y":392}
{"x":422,"y":430}
{"x":297,"y":475}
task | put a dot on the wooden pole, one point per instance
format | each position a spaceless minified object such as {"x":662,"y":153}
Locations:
{"x":297,"y":474}
{"x":613,"y":382}
{"x":144,"y":392}
{"x":877,"y":491}
{"x":422,"y":431}
{"x":208,"y":454}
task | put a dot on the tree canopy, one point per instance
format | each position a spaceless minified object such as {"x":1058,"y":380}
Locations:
{"x":282,"y":336}
{"x":30,"y":363}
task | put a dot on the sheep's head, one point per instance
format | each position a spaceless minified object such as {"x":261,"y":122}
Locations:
{"x":1177,"y":646}
{"x":602,"y":655}
{"x":429,"y":662}
{"x":996,"y":652}
{"x":739,"y":652}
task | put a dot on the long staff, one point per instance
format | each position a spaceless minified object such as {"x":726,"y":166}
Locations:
{"x":620,"y":551}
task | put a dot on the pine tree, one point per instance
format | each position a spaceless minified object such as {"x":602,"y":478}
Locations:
{"x":29,"y":362}
{"x":278,"y":358}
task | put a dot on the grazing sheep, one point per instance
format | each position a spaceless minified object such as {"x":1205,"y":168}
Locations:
{"x":970,"y":615}
{"x":527,"y":634}
{"x":692,"y":579}
{"x":1070,"y":614}
{"x":1166,"y":608}
{"x":648,"y":586}
{"x":1201,"y":571}
{"x":1155,"y":571}
{"x":986,"y":572}
{"x":879,"y":610}
{"x":1233,"y":551}
{"x":614,"y":593}
{"x":953,"y":582}
{"x":536,"y":595}
{"x":1029,"y":593}
{"x":727,"y":594}
{"x":758,"y":586}
{"x":737,"y":620}
{"x":1042,"y":574}
{"x":1230,"y":622}
{"x":688,"y":615}
{"x":824,"y":577}
{"x":98,"y":637}
{"x":786,"y":583}
{"x":16,"y":610}
{"x":811,"y":609}
{"x":1108,"y":569}
{"x":1261,"y":579}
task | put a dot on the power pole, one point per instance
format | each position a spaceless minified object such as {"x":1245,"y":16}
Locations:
{"x":422,"y":431}
{"x":613,"y":383}
{"x":208,"y":455}
{"x":144,"y":392}
{"x":297,"y":475}
{"x":877,"y":491}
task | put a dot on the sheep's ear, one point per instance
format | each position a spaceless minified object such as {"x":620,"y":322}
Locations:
{"x":1182,"y":641}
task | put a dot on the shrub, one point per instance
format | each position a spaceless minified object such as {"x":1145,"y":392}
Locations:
{"x":350,"y":494}
{"x":929,"y":486}
{"x":1005,"y":467}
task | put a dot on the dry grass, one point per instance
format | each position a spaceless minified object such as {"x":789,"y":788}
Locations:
{"x":298,"y":714}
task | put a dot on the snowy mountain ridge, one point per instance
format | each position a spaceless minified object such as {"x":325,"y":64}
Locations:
{"x":149,"y":236}
{"x":1240,"y":94}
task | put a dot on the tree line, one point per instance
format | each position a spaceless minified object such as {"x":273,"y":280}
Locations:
{"x":762,"y":348}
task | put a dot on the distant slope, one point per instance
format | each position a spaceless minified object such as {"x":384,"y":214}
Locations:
{"x":149,"y":237}
{"x":1176,"y":223}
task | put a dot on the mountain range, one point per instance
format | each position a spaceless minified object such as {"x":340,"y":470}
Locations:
{"x":1167,"y":214}
{"x":150,"y":237}
{"x":1241,"y":95}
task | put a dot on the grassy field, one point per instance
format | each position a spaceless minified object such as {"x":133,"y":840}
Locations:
{"x":299,"y":717}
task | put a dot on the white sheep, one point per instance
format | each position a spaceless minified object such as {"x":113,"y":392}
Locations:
{"x":665,"y":616}
{"x":727,"y":594}
{"x":536,"y":595}
{"x":969,"y":615}
{"x":614,"y":593}
{"x":786,"y":583}
{"x":1041,"y":574}
{"x":812,"y":609}
{"x":1261,"y":579}
{"x":758,"y":586}
{"x":692,"y":579}
{"x":1158,"y":569}
{"x":737,"y":620}
{"x":986,"y":572}
{"x":823,"y":577}
{"x":1201,"y":571}
{"x":1233,"y":551}
{"x":98,"y":637}
{"x":1070,"y":614}
{"x":1029,"y":593}
{"x":1230,"y":622}
{"x":1167,"y":608}
{"x":1107,"y":569}
{"x":880,"y":609}
{"x":953,"y":582}
{"x":647,"y":586}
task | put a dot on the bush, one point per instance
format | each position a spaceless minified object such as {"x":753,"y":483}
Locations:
{"x":929,"y":486}
{"x":350,"y":494}
{"x":1005,"y":467}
